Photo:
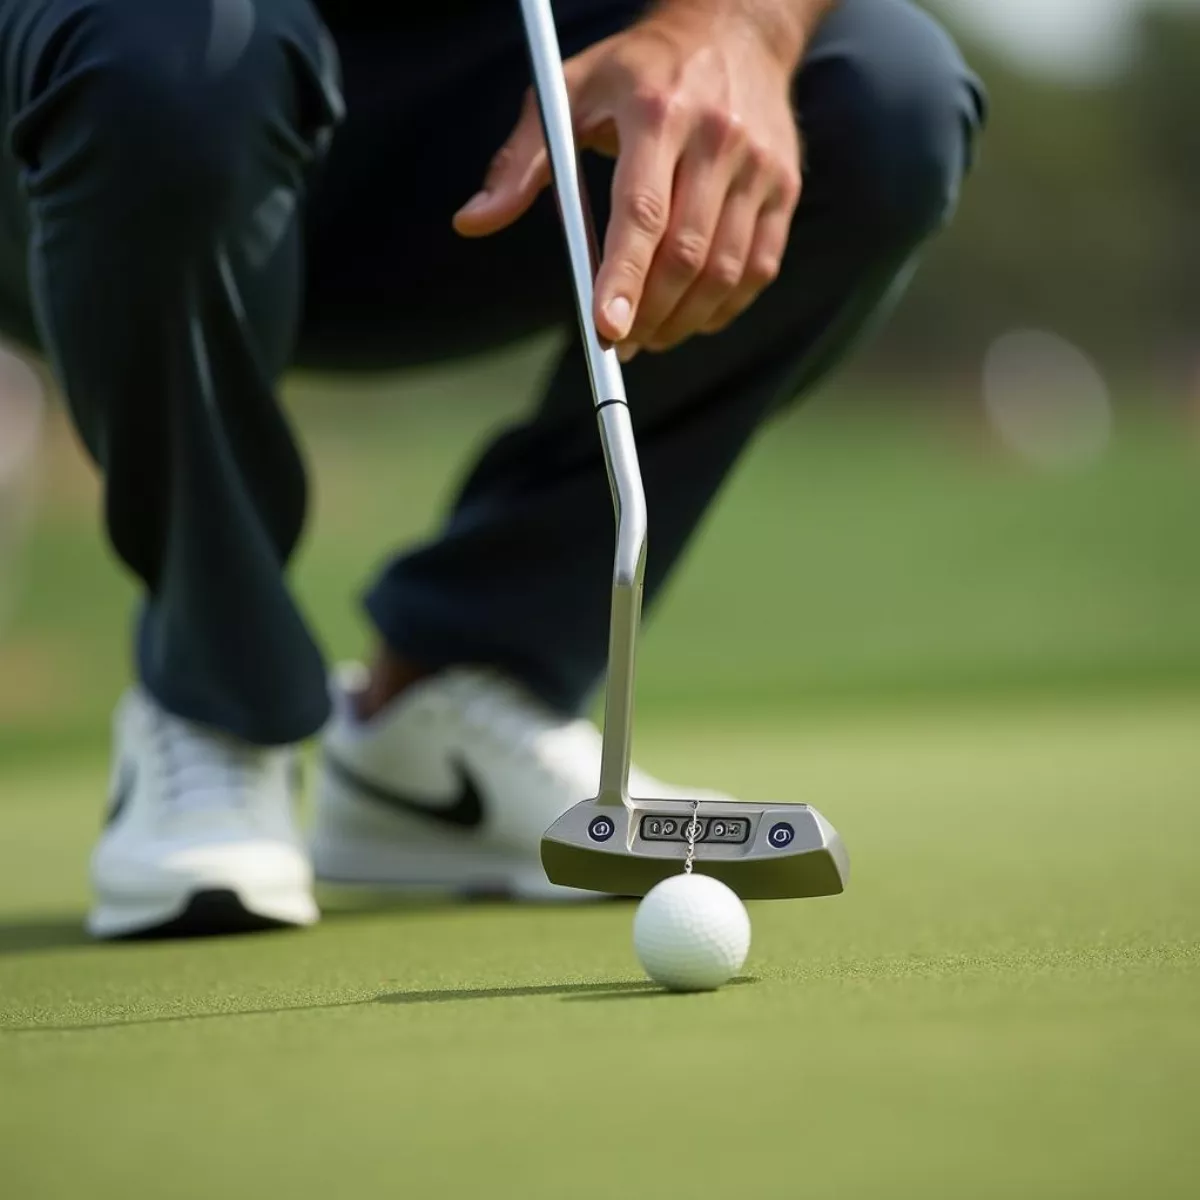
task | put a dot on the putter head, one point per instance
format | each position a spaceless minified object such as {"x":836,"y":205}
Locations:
{"x":762,"y":851}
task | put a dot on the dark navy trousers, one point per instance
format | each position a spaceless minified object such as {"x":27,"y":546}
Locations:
{"x":197,"y":195}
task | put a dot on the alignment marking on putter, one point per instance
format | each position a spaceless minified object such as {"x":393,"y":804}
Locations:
{"x":693,"y":832}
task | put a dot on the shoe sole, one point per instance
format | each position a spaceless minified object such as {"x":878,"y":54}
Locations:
{"x":208,"y":912}
{"x":470,"y":874}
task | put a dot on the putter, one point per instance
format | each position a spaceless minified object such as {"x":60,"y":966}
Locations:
{"x":616,"y":843}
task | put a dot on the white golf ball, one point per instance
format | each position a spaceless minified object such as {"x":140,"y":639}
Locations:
{"x":691,"y":933}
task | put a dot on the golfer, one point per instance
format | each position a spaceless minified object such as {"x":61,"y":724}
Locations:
{"x":196,"y":196}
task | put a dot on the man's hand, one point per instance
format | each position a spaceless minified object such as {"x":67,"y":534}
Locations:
{"x":694,"y":103}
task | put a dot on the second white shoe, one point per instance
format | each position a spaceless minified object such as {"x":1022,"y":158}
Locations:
{"x":201,"y":836}
{"x":452,"y":786}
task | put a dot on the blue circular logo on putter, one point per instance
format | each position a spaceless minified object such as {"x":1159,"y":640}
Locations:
{"x":781,"y":835}
{"x":601,"y":829}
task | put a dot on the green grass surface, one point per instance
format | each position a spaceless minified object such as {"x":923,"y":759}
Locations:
{"x":989,"y":680}
{"x":1004,"y":1004}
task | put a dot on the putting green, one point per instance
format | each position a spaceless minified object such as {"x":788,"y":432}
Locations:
{"x":1003,"y":1005}
{"x":988,"y":678}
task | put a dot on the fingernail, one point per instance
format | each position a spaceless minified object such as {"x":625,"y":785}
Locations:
{"x":620,"y":314}
{"x":627,"y":351}
{"x":475,"y":204}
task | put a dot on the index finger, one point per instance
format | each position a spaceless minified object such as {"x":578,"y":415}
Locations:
{"x":641,"y":209}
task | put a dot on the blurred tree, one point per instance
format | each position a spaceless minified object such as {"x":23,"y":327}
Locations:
{"x":1082,"y":215}
{"x":1165,"y":87}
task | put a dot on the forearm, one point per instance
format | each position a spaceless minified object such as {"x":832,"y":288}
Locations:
{"x":786,"y":26}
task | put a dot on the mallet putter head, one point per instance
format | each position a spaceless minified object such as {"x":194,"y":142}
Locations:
{"x":762,"y":851}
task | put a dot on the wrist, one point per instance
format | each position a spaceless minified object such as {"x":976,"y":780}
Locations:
{"x":781,"y":27}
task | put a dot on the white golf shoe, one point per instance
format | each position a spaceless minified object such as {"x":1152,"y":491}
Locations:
{"x":201,"y":836}
{"x":451,"y":787}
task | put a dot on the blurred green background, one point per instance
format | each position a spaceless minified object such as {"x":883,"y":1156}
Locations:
{"x":953,"y":600}
{"x":877,"y":546}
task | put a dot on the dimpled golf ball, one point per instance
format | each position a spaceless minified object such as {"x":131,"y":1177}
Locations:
{"x":691,"y":933}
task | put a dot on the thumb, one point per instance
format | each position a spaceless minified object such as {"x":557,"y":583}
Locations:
{"x":517,"y":174}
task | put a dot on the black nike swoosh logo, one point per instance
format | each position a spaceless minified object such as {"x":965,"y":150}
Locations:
{"x":465,"y":812}
{"x":121,"y":793}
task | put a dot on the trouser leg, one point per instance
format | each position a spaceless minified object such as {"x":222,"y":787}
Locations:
{"x":150,"y":193}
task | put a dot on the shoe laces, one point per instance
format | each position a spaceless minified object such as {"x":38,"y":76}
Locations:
{"x":203,"y":770}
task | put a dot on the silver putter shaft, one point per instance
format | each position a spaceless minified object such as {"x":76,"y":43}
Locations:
{"x":617,"y":843}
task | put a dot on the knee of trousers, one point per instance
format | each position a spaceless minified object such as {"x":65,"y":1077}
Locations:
{"x":173,"y":108}
{"x":895,"y":118}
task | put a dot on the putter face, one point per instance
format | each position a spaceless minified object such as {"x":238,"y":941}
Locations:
{"x":762,"y":851}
